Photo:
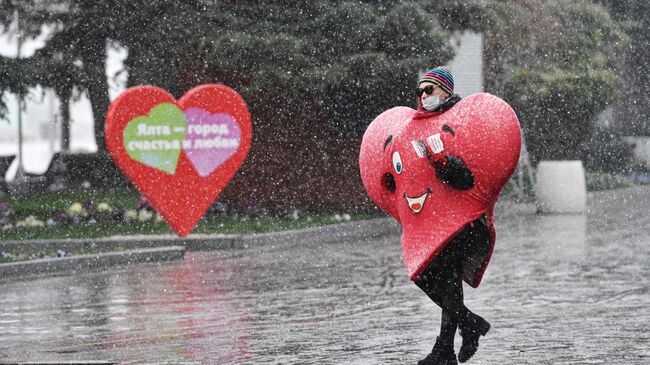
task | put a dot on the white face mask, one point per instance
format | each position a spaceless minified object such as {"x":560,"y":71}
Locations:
{"x":431,"y":103}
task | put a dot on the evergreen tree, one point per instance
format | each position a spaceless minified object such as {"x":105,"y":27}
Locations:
{"x":23,"y":19}
{"x":556,"y":62}
{"x":633,"y":107}
{"x":332,"y":62}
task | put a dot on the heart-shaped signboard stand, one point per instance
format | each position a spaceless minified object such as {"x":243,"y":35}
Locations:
{"x":180,"y":154}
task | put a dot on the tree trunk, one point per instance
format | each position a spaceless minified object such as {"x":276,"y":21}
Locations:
{"x":65,"y":123}
{"x":98,"y":94}
{"x":94,"y":58}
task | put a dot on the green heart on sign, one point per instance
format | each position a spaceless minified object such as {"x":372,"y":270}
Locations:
{"x":156,"y":140}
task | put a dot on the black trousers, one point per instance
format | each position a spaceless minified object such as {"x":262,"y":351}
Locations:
{"x":442,"y":281}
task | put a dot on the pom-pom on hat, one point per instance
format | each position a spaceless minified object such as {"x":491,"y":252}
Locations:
{"x":440,"y":76}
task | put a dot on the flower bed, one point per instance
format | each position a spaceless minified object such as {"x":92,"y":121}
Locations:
{"x":94,"y":213}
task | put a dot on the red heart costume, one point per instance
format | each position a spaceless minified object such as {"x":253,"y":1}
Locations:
{"x":486,"y":137}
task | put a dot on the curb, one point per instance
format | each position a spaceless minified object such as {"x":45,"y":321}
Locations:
{"x":91,"y":262}
{"x":205,"y":242}
{"x":341,"y":232}
{"x":194,"y":243}
{"x":160,"y":248}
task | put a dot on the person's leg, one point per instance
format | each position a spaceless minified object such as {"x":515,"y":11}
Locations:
{"x":471,"y":325}
{"x":448,"y":325}
{"x":448,"y":294}
{"x":442,"y":284}
{"x":442,"y":280}
{"x":445,"y":288}
{"x":443,"y":350}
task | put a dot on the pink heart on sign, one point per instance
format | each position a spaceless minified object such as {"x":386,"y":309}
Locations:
{"x":210,"y":139}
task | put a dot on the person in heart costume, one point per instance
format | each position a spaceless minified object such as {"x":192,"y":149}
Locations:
{"x":439,"y":171}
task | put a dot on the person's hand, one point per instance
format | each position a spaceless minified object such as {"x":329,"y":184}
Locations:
{"x":436,"y":145}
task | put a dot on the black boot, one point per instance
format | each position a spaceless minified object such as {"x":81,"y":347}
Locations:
{"x":442,"y":354}
{"x":471,"y":328}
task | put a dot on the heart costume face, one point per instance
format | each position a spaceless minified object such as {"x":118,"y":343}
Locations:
{"x":179,"y":154}
{"x":481,"y":130}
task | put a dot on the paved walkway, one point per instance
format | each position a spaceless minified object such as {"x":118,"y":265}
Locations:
{"x":560,"y":290}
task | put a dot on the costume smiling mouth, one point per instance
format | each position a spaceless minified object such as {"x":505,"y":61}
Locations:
{"x":417,"y":204}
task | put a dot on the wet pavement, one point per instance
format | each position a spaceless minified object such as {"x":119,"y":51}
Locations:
{"x":561,"y":289}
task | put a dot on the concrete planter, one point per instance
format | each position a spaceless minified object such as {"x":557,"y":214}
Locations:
{"x":561,"y":187}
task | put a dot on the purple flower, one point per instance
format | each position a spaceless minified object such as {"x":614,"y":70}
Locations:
{"x":59,"y":216}
{"x":143,"y":204}
{"x":6,"y":211}
{"x":89,"y":206}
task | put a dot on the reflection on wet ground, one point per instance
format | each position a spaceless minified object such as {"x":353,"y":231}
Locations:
{"x":563,"y":289}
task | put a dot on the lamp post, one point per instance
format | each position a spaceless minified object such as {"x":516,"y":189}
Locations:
{"x":20,"y":173}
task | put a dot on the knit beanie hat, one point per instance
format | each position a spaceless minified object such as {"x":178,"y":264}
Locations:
{"x":440,"y":76}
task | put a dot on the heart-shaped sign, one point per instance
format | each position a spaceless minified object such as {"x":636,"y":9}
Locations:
{"x":179,"y":154}
{"x":482,"y":131}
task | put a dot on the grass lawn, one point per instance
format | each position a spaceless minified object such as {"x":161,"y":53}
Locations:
{"x":205,"y":226}
{"x":42,"y":205}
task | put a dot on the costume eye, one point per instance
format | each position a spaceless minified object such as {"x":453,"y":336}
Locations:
{"x":397,"y":162}
{"x":389,"y":181}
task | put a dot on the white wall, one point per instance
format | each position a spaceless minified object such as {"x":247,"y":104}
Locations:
{"x":467,"y":65}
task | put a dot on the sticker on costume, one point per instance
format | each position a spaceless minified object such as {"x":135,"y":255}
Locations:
{"x":420,"y":148}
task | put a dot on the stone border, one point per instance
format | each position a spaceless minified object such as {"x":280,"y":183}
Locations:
{"x":90,"y":262}
{"x":341,"y":232}
{"x":205,"y":242}
{"x":66,"y":362}
{"x":156,"y":248}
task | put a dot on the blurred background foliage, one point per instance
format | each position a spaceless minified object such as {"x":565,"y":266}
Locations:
{"x":315,"y":73}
